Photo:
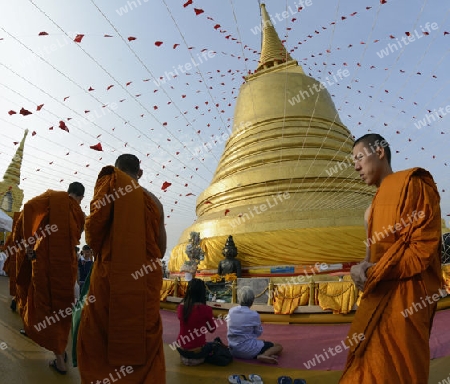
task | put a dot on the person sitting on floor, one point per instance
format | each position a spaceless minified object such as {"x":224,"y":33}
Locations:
{"x":244,"y":328}
{"x":196,"y":319}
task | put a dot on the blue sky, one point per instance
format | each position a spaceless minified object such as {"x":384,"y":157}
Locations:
{"x":166,"y":125}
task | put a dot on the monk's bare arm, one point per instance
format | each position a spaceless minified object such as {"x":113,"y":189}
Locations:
{"x":358,"y":271}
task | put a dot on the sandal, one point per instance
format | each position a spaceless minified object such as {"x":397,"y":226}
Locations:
{"x":53,"y":365}
{"x":22,"y":332}
{"x":284,"y":380}
{"x":236,"y":379}
{"x":256,"y":379}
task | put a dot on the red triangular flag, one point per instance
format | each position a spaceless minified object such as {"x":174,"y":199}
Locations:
{"x":97,"y":147}
{"x":25,"y":112}
{"x":63,"y":126}
{"x":165,"y":185}
{"x":78,"y":38}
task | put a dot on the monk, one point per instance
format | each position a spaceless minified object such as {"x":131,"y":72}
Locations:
{"x":401,"y":276}
{"x":51,"y":226}
{"x":120,"y":334}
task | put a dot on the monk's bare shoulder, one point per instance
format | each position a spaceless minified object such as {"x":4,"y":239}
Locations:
{"x":367,"y":215}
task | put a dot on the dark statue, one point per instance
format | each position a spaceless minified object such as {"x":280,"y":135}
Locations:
{"x":230,"y":264}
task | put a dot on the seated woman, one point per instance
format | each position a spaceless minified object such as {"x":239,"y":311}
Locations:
{"x":196,"y":319}
{"x":244,"y":328}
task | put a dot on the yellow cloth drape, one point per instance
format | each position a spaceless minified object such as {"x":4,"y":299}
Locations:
{"x":288,"y":247}
{"x":167,"y":289}
{"x":337,"y":296}
{"x":182,"y":287}
{"x":287,"y":297}
{"x":446,"y":276}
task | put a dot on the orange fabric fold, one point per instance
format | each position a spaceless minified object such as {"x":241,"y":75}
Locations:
{"x":394,"y":315}
{"x":182,"y":288}
{"x":127,"y":295}
{"x":167,"y":289}
{"x":123,"y":326}
{"x":46,"y":285}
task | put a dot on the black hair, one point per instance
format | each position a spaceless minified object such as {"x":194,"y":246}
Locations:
{"x":76,"y":188}
{"x":195,"y":293}
{"x":374,"y":140}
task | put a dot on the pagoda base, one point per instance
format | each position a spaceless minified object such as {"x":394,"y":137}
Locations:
{"x":322,"y":297}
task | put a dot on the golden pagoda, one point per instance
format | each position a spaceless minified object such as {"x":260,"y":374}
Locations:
{"x":11,"y":196}
{"x":277,"y":188}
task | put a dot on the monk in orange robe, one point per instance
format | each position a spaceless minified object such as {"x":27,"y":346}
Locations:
{"x":120,"y":334}
{"x":52,"y":224}
{"x":401,"y":277}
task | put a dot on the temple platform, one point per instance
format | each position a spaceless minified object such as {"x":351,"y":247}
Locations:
{"x":286,"y":294}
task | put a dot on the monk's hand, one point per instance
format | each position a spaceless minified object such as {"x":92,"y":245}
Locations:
{"x":358,"y":273}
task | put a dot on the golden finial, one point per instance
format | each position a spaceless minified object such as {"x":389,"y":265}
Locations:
{"x":272,"y":49}
{"x":12,"y":174}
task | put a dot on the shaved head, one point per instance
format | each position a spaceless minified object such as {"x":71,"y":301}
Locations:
{"x":372,"y":141}
{"x":129,"y":164}
{"x":76,"y":189}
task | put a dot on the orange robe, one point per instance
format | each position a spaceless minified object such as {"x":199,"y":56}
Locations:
{"x":45,"y":285}
{"x":407,"y":274}
{"x":123,"y":327}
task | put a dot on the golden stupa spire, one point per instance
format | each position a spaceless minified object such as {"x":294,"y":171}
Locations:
{"x":273,"y":51}
{"x":12,"y":174}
